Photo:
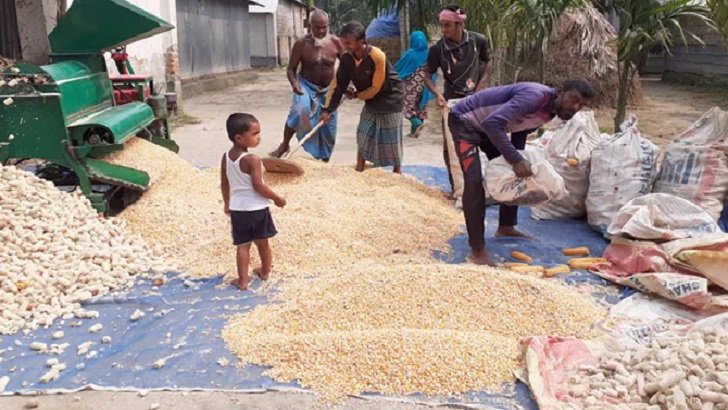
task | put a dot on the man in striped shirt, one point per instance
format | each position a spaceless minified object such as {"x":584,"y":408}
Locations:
{"x":483,"y":121}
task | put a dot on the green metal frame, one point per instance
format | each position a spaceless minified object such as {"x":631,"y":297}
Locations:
{"x":52,"y":117}
{"x":165,"y":141}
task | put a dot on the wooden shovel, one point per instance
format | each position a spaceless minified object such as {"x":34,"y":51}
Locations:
{"x":285,"y":165}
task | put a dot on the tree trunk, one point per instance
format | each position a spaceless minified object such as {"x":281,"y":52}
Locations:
{"x":404,"y":28}
{"x":542,"y":66}
{"x":626,"y":74}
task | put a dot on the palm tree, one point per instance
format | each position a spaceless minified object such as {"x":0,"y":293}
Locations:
{"x":720,"y":15}
{"x":644,"y":23}
{"x":513,"y":27}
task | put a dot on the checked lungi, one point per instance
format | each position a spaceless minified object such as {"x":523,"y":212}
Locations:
{"x":379,"y":137}
{"x":305,"y":113}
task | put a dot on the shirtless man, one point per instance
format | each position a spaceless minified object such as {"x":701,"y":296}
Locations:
{"x":316,"y":53}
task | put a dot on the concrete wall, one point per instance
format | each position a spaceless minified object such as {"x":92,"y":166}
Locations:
{"x":696,"y":59}
{"x":290,"y":18}
{"x":214,"y":36}
{"x":263,"y":44}
{"x":33,"y":31}
{"x":707,"y":61}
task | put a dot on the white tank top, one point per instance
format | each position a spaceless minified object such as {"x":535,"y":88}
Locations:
{"x":242,"y":194}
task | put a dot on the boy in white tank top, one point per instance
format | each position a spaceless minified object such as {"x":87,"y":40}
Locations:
{"x":247,"y":198}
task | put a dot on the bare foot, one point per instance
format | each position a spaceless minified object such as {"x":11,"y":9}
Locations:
{"x":481,"y":257}
{"x":282,"y":149}
{"x":259,"y":273}
{"x":510,"y":232}
{"x":236,"y":283}
{"x":419,"y":131}
{"x":359,"y":168}
{"x":397,"y":169}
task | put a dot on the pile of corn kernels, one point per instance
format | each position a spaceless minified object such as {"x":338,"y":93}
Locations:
{"x":335,"y":217}
{"x":433,"y":329}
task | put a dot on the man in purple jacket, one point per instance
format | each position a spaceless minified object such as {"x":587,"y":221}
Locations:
{"x":483,"y":120}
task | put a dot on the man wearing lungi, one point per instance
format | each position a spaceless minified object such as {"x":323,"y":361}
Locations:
{"x":482,"y":121}
{"x":379,"y":135}
{"x":316,"y":53}
{"x":464,"y":58}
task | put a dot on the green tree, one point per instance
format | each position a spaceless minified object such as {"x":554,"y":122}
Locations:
{"x":719,"y":9}
{"x":343,"y":11}
{"x":643,"y":23}
{"x":514,"y":28}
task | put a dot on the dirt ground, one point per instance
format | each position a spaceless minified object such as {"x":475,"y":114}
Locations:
{"x":666,"y":111}
{"x":269,"y":99}
{"x":95,"y":400}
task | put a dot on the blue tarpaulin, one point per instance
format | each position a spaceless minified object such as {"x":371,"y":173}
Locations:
{"x":386,"y":24}
{"x":182,"y":325}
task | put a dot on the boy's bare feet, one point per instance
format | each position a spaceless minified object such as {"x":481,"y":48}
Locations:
{"x":237,"y":284}
{"x":481,"y":257}
{"x":510,"y":232}
{"x":259,"y":273}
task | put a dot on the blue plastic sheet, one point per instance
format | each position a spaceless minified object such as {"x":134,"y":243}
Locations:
{"x":183,"y":325}
{"x":723,"y":222}
{"x":386,"y":24}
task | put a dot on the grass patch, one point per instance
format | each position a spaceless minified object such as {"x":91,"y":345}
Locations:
{"x":182,"y":120}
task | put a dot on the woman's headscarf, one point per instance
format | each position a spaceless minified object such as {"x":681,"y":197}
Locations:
{"x":413,"y":59}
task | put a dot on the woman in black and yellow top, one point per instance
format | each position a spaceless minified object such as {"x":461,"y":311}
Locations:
{"x":379,"y":135}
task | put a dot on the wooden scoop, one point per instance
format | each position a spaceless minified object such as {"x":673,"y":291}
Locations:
{"x":285,"y":165}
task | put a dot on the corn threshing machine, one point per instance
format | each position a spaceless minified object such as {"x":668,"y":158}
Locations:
{"x":66,"y":113}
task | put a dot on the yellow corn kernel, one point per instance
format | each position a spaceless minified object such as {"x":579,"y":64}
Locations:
{"x":584,"y":263}
{"x":521,"y":256}
{"x":551,"y":272}
{"x":581,"y":251}
{"x":572,"y":162}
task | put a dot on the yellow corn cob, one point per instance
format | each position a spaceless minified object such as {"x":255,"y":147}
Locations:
{"x":581,"y":251}
{"x":509,"y":265}
{"x":572,"y":162}
{"x":549,"y":273}
{"x":521,"y":256}
{"x":584,"y":263}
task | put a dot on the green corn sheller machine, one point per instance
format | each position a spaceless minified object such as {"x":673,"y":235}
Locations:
{"x":65,"y":113}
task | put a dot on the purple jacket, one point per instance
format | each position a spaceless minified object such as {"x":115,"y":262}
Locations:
{"x":510,"y":108}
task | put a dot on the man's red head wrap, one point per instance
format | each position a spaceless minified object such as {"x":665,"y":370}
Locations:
{"x":454,"y":16}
